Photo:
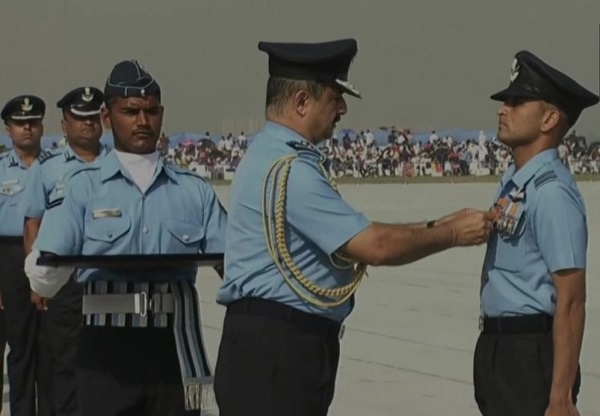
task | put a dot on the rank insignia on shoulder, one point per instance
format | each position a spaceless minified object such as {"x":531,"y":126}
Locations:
{"x":303,"y":146}
{"x":45,"y":155}
{"x":544,"y":178}
{"x":106,"y":213}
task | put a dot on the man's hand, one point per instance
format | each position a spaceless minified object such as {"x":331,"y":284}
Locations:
{"x":41,"y":304}
{"x":471,"y":227}
{"x":454,"y":215}
{"x":566,"y":408}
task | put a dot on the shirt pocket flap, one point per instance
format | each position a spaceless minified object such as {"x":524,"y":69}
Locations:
{"x":11,"y":189}
{"x":185,"y":232}
{"x":107,"y":229}
{"x":510,"y":250}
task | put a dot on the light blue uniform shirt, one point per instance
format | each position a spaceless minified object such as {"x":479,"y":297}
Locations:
{"x":319,"y":222}
{"x":48,"y":179}
{"x":551,"y":236}
{"x":104,"y":213}
{"x":14,"y":179}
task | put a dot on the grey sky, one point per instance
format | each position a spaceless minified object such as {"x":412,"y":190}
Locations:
{"x":421,"y":64}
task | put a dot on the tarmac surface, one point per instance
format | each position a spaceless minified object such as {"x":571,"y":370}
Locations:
{"x":408,"y":345}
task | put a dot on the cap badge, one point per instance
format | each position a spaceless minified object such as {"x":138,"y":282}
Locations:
{"x":514,"y":70}
{"x":87,"y":96}
{"x":26,"y":106}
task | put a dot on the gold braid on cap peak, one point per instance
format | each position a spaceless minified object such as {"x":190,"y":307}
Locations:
{"x":274,"y":225}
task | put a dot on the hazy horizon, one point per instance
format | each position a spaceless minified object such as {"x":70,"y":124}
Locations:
{"x":421,"y":64}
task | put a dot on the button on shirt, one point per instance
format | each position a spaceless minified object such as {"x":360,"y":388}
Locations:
{"x":318,"y":220}
{"x":105,"y":213}
{"x":551,"y":236}
{"x":14,"y":180}
{"x":48,"y":179}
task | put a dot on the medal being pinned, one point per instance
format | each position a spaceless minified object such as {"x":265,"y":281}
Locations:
{"x":508,"y":212}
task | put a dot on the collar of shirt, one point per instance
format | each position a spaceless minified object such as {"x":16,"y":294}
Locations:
{"x":530,"y":168}
{"x":69,"y":153}
{"x":14,"y":160}
{"x":110,"y":167}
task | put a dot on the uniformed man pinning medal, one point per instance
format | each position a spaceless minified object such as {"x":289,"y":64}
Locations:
{"x":141,"y":348}
{"x":296,"y":252}
{"x":60,"y":326}
{"x":23,"y":118}
{"x":533,"y":281}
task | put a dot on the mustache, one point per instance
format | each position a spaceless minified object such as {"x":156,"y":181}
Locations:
{"x":143,"y":131}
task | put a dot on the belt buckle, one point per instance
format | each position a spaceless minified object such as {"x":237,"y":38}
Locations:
{"x":342,"y":331}
{"x":481,"y":322}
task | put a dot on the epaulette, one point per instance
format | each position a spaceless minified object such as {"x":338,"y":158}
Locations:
{"x":300,"y":147}
{"x":544,"y":178}
{"x":308,"y":150}
{"x":4,"y":154}
{"x":46,"y":155}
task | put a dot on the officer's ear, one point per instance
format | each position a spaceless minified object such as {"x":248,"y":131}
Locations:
{"x":300,"y":101}
{"x":63,"y":125}
{"x":105,"y":114}
{"x":552,"y":117}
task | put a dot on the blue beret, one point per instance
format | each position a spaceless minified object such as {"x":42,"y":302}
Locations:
{"x":530,"y":77}
{"x":24,"y":107}
{"x":82,"y":101}
{"x":130,"y":79}
{"x":324,"y":62}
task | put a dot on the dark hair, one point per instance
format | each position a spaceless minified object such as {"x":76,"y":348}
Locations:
{"x":280,"y":90}
{"x":109,"y":101}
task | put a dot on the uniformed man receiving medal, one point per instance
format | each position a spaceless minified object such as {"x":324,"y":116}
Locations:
{"x":141,"y":347}
{"x":60,"y":324}
{"x":533,"y":283}
{"x":23,"y":117}
{"x":296,"y":251}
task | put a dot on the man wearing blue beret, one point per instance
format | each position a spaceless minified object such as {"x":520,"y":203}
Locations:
{"x":141,"y":349}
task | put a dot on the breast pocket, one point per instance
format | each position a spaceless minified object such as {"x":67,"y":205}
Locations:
{"x":106,"y":235}
{"x":10,"y":192}
{"x":183,"y":237}
{"x":510,"y":250}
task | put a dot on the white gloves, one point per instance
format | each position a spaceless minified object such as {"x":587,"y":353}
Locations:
{"x":46,"y":281}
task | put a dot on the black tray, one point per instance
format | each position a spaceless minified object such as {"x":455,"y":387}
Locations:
{"x":133,"y":261}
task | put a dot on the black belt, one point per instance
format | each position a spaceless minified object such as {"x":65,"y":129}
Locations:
{"x":271,"y":309}
{"x":11,"y":240}
{"x":526,"y":324}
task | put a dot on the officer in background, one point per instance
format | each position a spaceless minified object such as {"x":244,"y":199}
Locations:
{"x":23,"y":119}
{"x":60,"y":325}
{"x":533,"y":283}
{"x":296,"y":251}
{"x":141,"y":348}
